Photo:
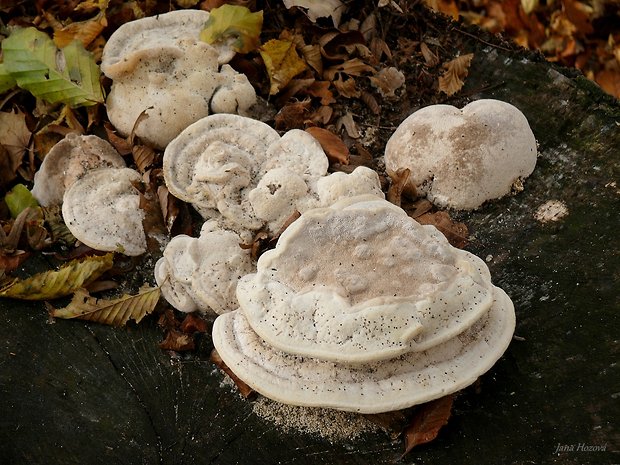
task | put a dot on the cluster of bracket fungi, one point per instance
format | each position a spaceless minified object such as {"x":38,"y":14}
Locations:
{"x":358,"y":307}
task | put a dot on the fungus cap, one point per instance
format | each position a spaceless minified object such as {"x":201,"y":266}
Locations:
{"x":102,"y":210}
{"x":412,"y":378}
{"x":138,"y":40}
{"x":462,"y":158}
{"x":328,"y":291}
{"x":201,"y":273}
{"x":69,"y":160}
{"x":175,"y":86}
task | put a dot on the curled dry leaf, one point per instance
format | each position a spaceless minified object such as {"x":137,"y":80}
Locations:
{"x":114,"y":312}
{"x":143,"y":157}
{"x":122,"y":145}
{"x":334,"y":147}
{"x":12,"y":261}
{"x":346,"y":88}
{"x":293,"y":115}
{"x":84,"y":31}
{"x":321,"y":90}
{"x":428,"y":420}
{"x":387,"y":81}
{"x":245,"y":390}
{"x":352,"y":67}
{"x":430,"y":58}
{"x":371,"y":102}
{"x":455,"y":73}
{"x":53,"y":284}
{"x":192,"y":323}
{"x":456,"y":233}
{"x":282,"y":63}
{"x":349,"y":125}
{"x":15,"y":138}
{"x":177,"y":341}
{"x":397,"y":185}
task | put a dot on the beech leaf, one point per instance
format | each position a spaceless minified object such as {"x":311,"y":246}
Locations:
{"x":282,"y":63}
{"x":7,"y":81}
{"x":453,"y":78}
{"x":69,"y":75}
{"x":333,"y":146}
{"x":428,"y":420}
{"x":18,"y":199}
{"x":236,"y":24}
{"x":58,"y":283}
{"x":113,"y":312}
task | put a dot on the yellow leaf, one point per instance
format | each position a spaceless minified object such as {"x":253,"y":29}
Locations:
{"x":54,"y":284}
{"x":84,"y":31}
{"x":453,"y":78}
{"x":236,"y":24}
{"x":282,"y":63}
{"x":115,"y":312}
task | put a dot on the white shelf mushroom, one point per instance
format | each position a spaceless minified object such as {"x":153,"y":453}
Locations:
{"x":200,"y":274}
{"x":462,"y":158}
{"x":102,"y":210}
{"x":68,"y":161}
{"x":159,"y":66}
{"x":324,"y":322}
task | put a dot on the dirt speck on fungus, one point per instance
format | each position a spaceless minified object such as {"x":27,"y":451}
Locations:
{"x":333,"y":425}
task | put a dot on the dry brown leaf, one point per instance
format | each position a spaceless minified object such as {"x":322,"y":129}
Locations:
{"x":379,"y":48}
{"x":609,"y":80}
{"x":333,"y":146}
{"x":387,"y":81}
{"x":322,"y":115}
{"x":282,"y":63}
{"x":428,"y":420}
{"x":447,"y":7}
{"x":321,"y":90}
{"x":14,"y":137}
{"x":192,"y":323}
{"x":430,"y":58}
{"x":245,"y":390}
{"x":13,"y":261}
{"x":121,"y":144}
{"x":456,"y":233}
{"x":346,"y":89}
{"x":84,"y":31}
{"x":454,"y":77}
{"x":292,"y":115}
{"x":371,"y":102}
{"x":177,"y":341}
{"x":418,"y":208}
{"x":143,"y":157}
{"x":352,"y":67}
{"x":397,"y":185}
{"x":336,"y":45}
{"x":349,"y":125}
{"x":312,"y":55}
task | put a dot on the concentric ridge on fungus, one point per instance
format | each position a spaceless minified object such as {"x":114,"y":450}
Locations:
{"x":327,"y":321}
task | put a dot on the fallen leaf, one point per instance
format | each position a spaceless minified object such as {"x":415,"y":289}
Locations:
{"x":84,"y":31}
{"x":143,"y":157}
{"x":192,"y":323}
{"x":292,"y":115}
{"x":13,"y":261}
{"x":58,"y":228}
{"x":352,"y":67}
{"x":319,"y":9}
{"x":346,"y":88}
{"x":177,"y":341}
{"x":349,"y":125}
{"x":245,"y":390}
{"x":397,"y":185}
{"x":609,"y":80}
{"x":387,"y":81}
{"x":428,"y":420}
{"x":455,"y":232}
{"x":234,"y":25}
{"x":430,"y":57}
{"x":10,"y":242}
{"x":333,"y":146}
{"x":122,"y":145}
{"x":282,"y":63}
{"x":7,"y":82}
{"x":322,"y":115}
{"x":371,"y":102}
{"x":418,"y":208}
{"x":447,"y":7}
{"x":15,"y":138}
{"x":69,"y":75}
{"x":53,"y":284}
{"x":454,"y":77}
{"x":320,"y":89}
{"x":529,"y":5}
{"x":336,"y":45}
{"x":113,"y":312}
{"x":19,"y":199}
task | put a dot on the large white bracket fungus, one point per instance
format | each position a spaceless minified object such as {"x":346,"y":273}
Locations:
{"x":326,"y":322}
{"x":68,"y":161}
{"x":462,"y":158}
{"x":102,"y":210}
{"x":159,"y":65}
{"x":202,"y":273}
{"x":241,"y":172}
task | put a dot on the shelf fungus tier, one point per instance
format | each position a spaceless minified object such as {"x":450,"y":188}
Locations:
{"x":361,"y":308}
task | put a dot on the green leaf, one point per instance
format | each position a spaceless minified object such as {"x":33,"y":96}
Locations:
{"x":7,"y":82}
{"x":53,"y":284}
{"x":69,"y":75}
{"x":115,"y":312}
{"x":18,"y":199}
{"x":236,"y":24}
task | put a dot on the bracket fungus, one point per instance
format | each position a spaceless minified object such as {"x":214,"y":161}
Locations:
{"x":102,"y":210}
{"x":462,"y":158}
{"x":239,"y":171}
{"x":324,"y":323}
{"x":69,"y":160}
{"x":159,"y":66}
{"x":201,"y":273}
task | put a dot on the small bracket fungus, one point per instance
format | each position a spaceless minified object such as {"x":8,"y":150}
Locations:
{"x":202,"y":273}
{"x":160,"y":66}
{"x":68,"y":161}
{"x":462,"y":158}
{"x":102,"y":210}
{"x":324,"y":323}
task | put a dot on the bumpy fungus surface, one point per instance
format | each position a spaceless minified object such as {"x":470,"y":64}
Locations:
{"x":462,"y":158}
{"x":69,"y":160}
{"x":102,"y":210}
{"x":159,"y":66}
{"x":240,"y":172}
{"x":201,"y":273}
{"x":323,"y":322}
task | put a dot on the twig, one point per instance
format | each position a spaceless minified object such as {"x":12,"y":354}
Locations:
{"x":481,"y":40}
